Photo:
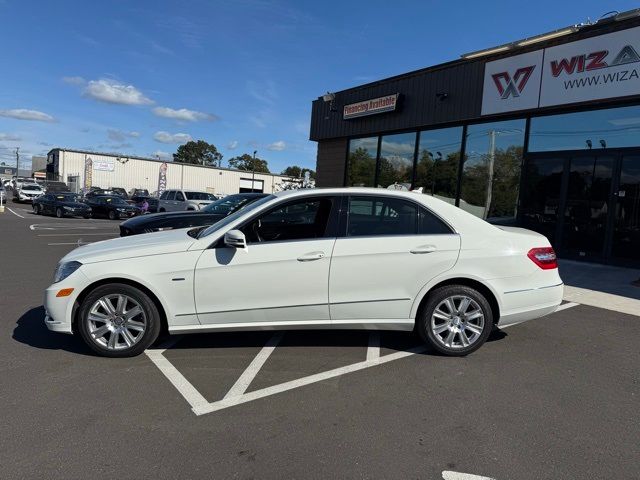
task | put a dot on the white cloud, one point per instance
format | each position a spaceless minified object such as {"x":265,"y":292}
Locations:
{"x":277,"y":146}
{"x":232,"y":145}
{"x":161,"y":155}
{"x":24,"y":114}
{"x":9,"y":137}
{"x":166,"y":137}
{"x":110,"y":91}
{"x":120,"y":136}
{"x":183,"y":114}
{"x":74,"y":80}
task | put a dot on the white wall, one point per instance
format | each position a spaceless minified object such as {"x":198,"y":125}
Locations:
{"x":138,"y":173}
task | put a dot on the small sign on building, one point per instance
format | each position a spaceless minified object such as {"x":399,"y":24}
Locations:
{"x":371,"y":107}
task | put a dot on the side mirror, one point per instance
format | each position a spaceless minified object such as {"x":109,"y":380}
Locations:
{"x":235,"y":239}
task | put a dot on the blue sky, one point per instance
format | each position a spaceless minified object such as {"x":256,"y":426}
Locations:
{"x":139,"y":77}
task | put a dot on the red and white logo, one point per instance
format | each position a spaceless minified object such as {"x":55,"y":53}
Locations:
{"x":512,"y":86}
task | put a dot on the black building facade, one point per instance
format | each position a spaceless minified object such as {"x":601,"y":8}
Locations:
{"x":542,"y":133}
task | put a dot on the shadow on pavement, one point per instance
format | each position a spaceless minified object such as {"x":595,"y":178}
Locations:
{"x":32,"y":331}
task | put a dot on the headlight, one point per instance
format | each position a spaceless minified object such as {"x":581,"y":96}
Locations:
{"x":67,"y":208}
{"x":121,"y":209}
{"x":63,"y":270}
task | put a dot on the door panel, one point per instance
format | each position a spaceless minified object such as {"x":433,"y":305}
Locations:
{"x":379,"y":277}
{"x":266,"y":283}
{"x":626,"y":230}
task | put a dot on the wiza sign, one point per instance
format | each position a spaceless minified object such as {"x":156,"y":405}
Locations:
{"x":601,"y":67}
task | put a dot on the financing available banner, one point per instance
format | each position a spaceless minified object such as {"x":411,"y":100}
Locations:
{"x":606,"y":66}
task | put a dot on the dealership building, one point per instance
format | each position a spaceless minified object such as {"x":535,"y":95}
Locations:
{"x":82,"y":169}
{"x":542,"y":133}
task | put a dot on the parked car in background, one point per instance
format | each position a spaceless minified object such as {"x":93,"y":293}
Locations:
{"x":51,"y":186}
{"x":96,"y":192}
{"x":27,"y":192}
{"x":3,"y":194}
{"x":111,"y":206}
{"x":139,"y":200}
{"x":176,"y":200}
{"x":61,"y":205}
{"x":171,"y":220}
{"x":17,"y":182}
{"x":332,"y":258}
{"x":6,"y":183}
{"x":121,"y":192}
{"x":139,"y":192}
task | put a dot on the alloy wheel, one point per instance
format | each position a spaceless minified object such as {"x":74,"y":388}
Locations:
{"x":457,"y":322}
{"x":116,"y":322}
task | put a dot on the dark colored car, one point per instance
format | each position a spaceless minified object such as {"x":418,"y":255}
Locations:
{"x":97,"y":192}
{"x":111,"y":206}
{"x":61,"y":205}
{"x":138,"y":201}
{"x":121,"y":192}
{"x":185,"y":219}
{"x":139,"y":192}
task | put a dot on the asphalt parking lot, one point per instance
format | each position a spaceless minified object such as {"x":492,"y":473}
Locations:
{"x":555,"y":398}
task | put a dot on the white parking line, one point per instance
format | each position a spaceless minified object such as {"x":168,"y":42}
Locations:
{"x":77,"y":234}
{"x":16,"y":214}
{"x":237,"y":394}
{"x":448,"y":475}
{"x":254,"y":367}
{"x":373,"y":349}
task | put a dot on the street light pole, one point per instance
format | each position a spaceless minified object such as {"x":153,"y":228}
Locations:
{"x":253,"y":170}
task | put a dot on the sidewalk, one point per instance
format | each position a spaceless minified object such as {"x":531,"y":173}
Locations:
{"x":601,"y":286}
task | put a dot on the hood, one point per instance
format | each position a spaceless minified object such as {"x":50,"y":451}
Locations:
{"x":158,"y":243}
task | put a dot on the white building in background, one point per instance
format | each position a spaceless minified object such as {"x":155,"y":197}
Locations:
{"x":126,"y":171}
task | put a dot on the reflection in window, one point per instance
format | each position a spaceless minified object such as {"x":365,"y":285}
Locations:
{"x":438,"y":160}
{"x":491,"y":173}
{"x":361,"y":169}
{"x":395,"y":169}
{"x":610,"y":128}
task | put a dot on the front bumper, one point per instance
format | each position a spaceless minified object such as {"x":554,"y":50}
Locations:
{"x":56,"y":326}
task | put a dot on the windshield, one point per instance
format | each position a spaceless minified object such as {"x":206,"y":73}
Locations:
{"x":199,"y":196}
{"x":235,"y":215}
{"x":227,"y":204}
{"x":115,"y":201}
{"x":31,"y":187}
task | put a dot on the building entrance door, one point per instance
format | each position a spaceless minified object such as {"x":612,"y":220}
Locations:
{"x":586,"y":203}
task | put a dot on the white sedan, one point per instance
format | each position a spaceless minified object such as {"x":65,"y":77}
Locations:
{"x":334,"y":258}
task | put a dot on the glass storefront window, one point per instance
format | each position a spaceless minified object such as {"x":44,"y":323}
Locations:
{"x":361,"y":169}
{"x":395,"y":168}
{"x":491,"y":172}
{"x":438,"y":160}
{"x":597,"y":129}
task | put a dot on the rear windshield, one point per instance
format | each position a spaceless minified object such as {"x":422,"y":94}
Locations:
{"x":31,"y":187}
{"x":199,"y":196}
{"x":68,"y":198}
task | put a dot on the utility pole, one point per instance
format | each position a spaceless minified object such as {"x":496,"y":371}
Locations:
{"x":492,"y":159}
{"x":17,"y":162}
{"x":253,"y":170}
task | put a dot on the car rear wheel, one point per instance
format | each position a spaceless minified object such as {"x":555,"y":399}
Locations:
{"x":59,"y":212}
{"x":118,"y":320}
{"x":36,"y":209}
{"x":112,"y":215}
{"x":456,"y":320}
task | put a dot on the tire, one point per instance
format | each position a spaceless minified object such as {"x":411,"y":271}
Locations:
{"x":86,"y":217}
{"x":59,"y":212}
{"x":36,"y":209}
{"x":161,"y":210}
{"x":457,"y":332}
{"x":110,"y":337}
{"x":113,"y":215}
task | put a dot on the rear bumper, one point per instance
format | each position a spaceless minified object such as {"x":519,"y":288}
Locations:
{"x":524,"y":305}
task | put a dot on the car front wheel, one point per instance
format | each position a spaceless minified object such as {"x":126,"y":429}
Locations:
{"x":112,"y":215}
{"x":59,"y":212}
{"x":456,"y":320}
{"x":118,"y":320}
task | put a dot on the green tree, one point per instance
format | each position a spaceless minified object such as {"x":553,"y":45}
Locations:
{"x":246,"y":162}
{"x":298,"y":172}
{"x":198,"y":153}
{"x":362,"y":168}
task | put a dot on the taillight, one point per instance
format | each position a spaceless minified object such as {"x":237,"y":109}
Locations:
{"x":544,"y":257}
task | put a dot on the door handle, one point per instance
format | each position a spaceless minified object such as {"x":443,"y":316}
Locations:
{"x":423,"y":249}
{"x":311,"y":256}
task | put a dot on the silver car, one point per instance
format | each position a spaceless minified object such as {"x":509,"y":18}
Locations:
{"x":177,"y":200}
